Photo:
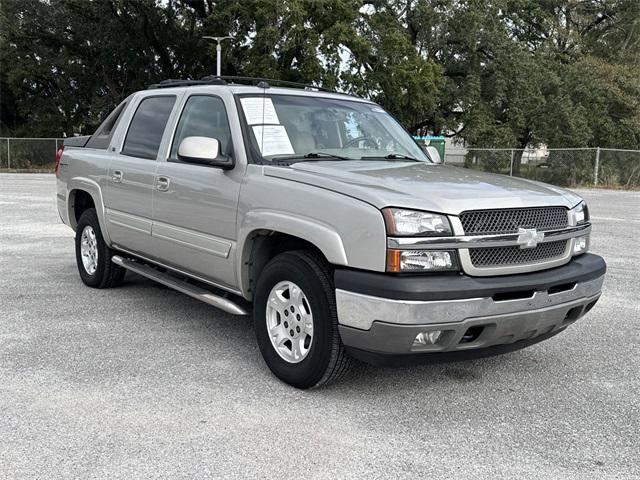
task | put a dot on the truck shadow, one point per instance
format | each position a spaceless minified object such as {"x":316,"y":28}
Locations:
{"x":229,"y":338}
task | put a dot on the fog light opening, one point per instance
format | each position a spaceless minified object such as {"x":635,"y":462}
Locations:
{"x":427,"y":338}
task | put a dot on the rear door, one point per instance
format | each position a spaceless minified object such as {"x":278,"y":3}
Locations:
{"x":131,"y":175}
{"x":194,"y":206}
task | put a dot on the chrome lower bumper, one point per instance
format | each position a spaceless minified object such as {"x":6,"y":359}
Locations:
{"x":360,"y":311}
{"x":390,"y":326}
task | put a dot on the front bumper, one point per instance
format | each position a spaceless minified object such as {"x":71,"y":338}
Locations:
{"x":383,"y":314}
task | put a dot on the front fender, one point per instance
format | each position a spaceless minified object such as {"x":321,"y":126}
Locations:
{"x":323,"y":236}
{"x":319,"y":234}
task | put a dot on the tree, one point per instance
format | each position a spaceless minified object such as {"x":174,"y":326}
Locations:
{"x":491,"y":73}
{"x":69,"y":62}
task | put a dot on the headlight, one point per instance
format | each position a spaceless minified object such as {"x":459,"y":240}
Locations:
{"x":402,"y":222}
{"x":421,"y":260}
{"x":581,"y":213}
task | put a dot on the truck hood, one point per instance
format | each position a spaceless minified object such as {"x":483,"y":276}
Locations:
{"x":424,"y":186}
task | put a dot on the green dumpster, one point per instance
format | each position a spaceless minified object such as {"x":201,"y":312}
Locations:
{"x":432,"y":141}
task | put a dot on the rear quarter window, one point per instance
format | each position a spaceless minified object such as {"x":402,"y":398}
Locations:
{"x":102,"y":136}
{"x":147,"y":127}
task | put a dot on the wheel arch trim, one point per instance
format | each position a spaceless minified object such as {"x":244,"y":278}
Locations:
{"x":322,"y":236}
{"x":92,"y":188}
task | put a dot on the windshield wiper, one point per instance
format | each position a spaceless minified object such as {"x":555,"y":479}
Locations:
{"x":392,"y":156}
{"x":312,"y":156}
{"x":326,"y":155}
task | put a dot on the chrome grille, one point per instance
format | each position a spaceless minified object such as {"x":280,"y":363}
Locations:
{"x":501,"y":256}
{"x":490,"y":222}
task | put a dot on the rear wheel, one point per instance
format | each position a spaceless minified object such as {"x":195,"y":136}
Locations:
{"x":93,"y":256}
{"x":296,"y":321}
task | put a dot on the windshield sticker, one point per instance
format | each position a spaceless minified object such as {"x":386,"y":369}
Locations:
{"x":259,"y":111}
{"x":378,"y":110}
{"x":273,"y":140}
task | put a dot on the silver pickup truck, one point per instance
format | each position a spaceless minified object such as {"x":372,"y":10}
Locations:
{"x":320,"y":214}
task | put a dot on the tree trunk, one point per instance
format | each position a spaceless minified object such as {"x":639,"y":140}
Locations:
{"x":517,"y":159}
{"x":517,"y":154}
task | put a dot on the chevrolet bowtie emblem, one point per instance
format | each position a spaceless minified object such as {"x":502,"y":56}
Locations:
{"x":529,"y":237}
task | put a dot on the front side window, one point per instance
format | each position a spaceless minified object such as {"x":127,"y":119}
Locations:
{"x":147,"y":127}
{"x":203,"y":116}
{"x":285,"y":127}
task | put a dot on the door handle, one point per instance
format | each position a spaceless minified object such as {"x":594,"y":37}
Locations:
{"x":116,"y":176}
{"x":162,"y":184}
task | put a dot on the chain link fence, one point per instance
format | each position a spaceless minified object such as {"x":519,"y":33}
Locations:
{"x":569,"y":167}
{"x":28,"y":154}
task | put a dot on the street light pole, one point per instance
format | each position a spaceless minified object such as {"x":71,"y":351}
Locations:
{"x":218,"y":50}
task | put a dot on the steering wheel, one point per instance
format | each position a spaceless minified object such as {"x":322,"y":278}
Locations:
{"x":354,"y":141}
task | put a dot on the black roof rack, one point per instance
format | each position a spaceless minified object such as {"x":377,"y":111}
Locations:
{"x":233,"y":79}
{"x":186,"y":83}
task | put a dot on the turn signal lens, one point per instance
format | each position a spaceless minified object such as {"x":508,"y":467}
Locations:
{"x":393,"y":260}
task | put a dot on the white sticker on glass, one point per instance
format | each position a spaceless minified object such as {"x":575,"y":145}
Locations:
{"x":259,"y":110}
{"x":273,"y":140}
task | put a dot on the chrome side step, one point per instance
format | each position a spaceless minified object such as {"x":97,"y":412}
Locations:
{"x":181,"y":286}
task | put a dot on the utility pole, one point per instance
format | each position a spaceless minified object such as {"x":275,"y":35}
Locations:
{"x":218,"y":50}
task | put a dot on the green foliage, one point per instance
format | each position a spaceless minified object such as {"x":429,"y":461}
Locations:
{"x":494,"y":73}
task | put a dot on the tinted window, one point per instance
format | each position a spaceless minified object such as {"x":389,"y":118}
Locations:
{"x":147,"y":127}
{"x":102,"y":137}
{"x":203,"y":116}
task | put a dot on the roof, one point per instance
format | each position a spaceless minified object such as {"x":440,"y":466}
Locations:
{"x":249,"y":85}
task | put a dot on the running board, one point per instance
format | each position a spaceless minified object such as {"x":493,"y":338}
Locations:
{"x":181,"y":286}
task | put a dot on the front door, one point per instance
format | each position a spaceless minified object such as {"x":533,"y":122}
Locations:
{"x":132,"y":174}
{"x":194,"y":206}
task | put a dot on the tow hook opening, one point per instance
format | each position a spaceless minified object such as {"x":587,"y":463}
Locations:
{"x":517,"y":295}
{"x":561,"y":288}
{"x":590,"y":306}
{"x":572,"y":314}
{"x":472,"y":334}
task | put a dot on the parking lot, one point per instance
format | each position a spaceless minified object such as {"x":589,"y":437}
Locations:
{"x":142,"y":381}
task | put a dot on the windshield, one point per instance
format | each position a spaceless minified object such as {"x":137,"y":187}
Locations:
{"x":291,"y":127}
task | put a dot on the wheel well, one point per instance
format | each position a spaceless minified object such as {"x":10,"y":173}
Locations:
{"x":265,"y":245}
{"x":81,"y":201}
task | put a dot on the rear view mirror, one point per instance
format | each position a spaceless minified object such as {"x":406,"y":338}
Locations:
{"x":433,"y":154}
{"x":203,"y":151}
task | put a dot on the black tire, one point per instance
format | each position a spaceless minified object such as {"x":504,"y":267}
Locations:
{"x":326,"y":360}
{"x":107,"y":273}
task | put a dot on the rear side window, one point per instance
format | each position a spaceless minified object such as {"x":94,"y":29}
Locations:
{"x":102,"y":137}
{"x":147,"y":127}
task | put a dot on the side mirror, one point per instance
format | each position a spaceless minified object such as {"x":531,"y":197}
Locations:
{"x":433,"y":154}
{"x":203,"y":151}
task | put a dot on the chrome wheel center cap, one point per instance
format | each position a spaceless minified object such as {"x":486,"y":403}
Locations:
{"x":89,"y":250}
{"x":289,"y":322}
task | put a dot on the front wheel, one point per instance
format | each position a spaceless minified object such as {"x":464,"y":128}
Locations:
{"x":296,"y":321}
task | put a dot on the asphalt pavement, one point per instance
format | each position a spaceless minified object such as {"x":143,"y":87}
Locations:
{"x":144,"y":382}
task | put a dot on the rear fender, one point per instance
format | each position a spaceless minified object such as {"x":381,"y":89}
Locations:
{"x":92,"y":188}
